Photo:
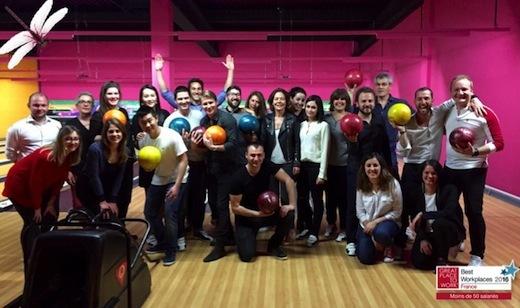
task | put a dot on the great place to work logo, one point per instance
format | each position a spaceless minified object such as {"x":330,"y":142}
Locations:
{"x":475,"y":282}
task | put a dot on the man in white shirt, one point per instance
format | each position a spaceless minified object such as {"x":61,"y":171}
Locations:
{"x":32,"y":132}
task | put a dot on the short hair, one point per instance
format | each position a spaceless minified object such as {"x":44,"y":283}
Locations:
{"x":198,"y":80}
{"x":121,"y":147}
{"x":86,"y":93}
{"x":40,"y":94}
{"x":423,"y":89}
{"x":208,"y":94}
{"x":233,"y":87}
{"x":285,"y":94}
{"x":364,"y":90}
{"x":103,"y":104}
{"x":58,"y":153}
{"x":340,"y":93}
{"x":262,"y":110}
{"x":296,"y":90}
{"x":320,"y":115}
{"x":384,"y":75}
{"x":385,"y":177}
{"x":157,"y":107}
{"x":254,"y":145}
{"x":460,"y":77}
{"x":180,"y":89}
{"x":144,"y":111}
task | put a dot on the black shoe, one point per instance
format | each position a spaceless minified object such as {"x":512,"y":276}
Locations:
{"x":154,"y":249}
{"x":215,"y":254}
{"x":169,"y":259}
{"x":279,"y":253}
{"x":228,"y":242}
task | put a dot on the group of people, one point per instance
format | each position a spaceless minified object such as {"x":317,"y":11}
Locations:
{"x":299,"y":152}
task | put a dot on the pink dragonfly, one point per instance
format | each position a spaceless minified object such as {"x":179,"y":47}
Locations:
{"x":32,"y":36}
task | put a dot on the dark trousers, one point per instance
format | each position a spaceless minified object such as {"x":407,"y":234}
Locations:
{"x":196,"y":194}
{"x":383,"y":234}
{"x":279,"y":188}
{"x":246,"y":229}
{"x":336,"y":194}
{"x":218,"y":193}
{"x":443,"y":236}
{"x":125,"y":194}
{"x":307,"y":185}
{"x":31,"y":230}
{"x":411,"y":183}
{"x":351,"y":220}
{"x":471,"y":183}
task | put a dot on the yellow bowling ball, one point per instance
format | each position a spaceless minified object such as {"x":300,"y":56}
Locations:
{"x":149,"y":158}
{"x":399,"y":114}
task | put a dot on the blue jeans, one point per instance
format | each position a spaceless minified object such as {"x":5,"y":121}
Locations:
{"x":383,"y":234}
{"x":166,"y":233}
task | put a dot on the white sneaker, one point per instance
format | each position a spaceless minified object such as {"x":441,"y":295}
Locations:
{"x":151,"y":240}
{"x":350,"y":249}
{"x":301,"y":235}
{"x":330,"y":230}
{"x":389,"y":255}
{"x":181,"y":244}
{"x":312,"y":240}
{"x":461,"y":246}
{"x":341,"y":236}
{"x":476,"y":261}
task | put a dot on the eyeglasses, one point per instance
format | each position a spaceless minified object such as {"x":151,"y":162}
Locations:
{"x":85,"y":102}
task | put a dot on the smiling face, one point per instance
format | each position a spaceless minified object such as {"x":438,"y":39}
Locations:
{"x":430,"y":176}
{"x":148,"y":97}
{"x":71,"y":142}
{"x":366,"y":103}
{"x":461,"y":90}
{"x":183,"y":100}
{"x":298,"y":102}
{"x":279,"y":102}
{"x":114,"y":134}
{"x":210,"y":106}
{"x":38,"y":105}
{"x":311,"y":110}
{"x":339,"y":104}
{"x":195,"y":91}
{"x":423,"y":102}
{"x":372,"y":169}
{"x":233,"y":98}
{"x":255,"y":156}
{"x":112,"y":97}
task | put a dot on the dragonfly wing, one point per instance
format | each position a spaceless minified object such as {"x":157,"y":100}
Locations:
{"x":16,"y":41}
{"x":53,"y":20}
{"x":20,"y":53}
{"x":40,"y":16}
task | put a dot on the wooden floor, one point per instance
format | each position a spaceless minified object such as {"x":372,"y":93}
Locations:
{"x":322,"y":276}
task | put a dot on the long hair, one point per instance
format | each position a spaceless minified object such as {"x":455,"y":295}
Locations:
{"x":103,"y":103}
{"x":261,"y":111}
{"x":437,"y":168}
{"x":157,"y":106}
{"x":285,"y":94}
{"x":58,"y":152}
{"x":385,"y":177}
{"x":121,"y":147}
{"x":320,"y":115}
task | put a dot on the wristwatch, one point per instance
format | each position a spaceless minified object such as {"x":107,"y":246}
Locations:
{"x":475,"y":153}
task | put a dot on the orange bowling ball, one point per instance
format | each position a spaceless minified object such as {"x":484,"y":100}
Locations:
{"x":114,"y":114}
{"x":216,"y":133}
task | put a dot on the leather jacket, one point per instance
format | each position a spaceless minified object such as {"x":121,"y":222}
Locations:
{"x":288,"y":137}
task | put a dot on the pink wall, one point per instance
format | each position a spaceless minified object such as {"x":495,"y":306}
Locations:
{"x":490,"y":58}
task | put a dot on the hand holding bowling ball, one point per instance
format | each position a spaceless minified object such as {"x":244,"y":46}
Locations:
{"x":268,"y":202}
{"x":216,"y":134}
{"x":180,"y":125}
{"x":462,"y":139}
{"x":353,"y":78}
{"x":351,"y":124}
{"x":196,"y":136}
{"x":399,"y":114}
{"x":149,"y":158}
{"x":114,"y":114}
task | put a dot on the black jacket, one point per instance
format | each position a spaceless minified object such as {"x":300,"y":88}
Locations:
{"x":289,"y":137}
{"x":372,"y":138}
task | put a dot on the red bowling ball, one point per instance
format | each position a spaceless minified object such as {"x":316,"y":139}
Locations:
{"x":351,"y":124}
{"x":199,"y":130}
{"x":268,"y":202}
{"x":461,"y":136}
{"x":353,"y":78}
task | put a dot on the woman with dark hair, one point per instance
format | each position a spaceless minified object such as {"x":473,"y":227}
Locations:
{"x":148,"y":96}
{"x":335,"y":193}
{"x":314,"y":147}
{"x":438,"y":224}
{"x":100,"y":182}
{"x":280,"y":135}
{"x":34,"y":183}
{"x":297,"y":97}
{"x":378,"y":205}
{"x":109,"y":98}
{"x":255,"y":104}
{"x":84,"y":105}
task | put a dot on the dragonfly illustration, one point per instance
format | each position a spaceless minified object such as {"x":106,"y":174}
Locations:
{"x":32,"y":36}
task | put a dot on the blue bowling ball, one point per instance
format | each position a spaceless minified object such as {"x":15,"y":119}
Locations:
{"x":248,"y":124}
{"x":180,"y":124}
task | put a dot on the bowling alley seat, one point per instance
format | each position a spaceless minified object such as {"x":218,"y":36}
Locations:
{"x":85,"y":268}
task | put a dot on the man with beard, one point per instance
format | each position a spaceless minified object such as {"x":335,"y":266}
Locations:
{"x":233,"y":99}
{"x":371,"y":139}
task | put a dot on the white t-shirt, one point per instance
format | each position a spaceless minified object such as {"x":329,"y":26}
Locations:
{"x":430,"y":207}
{"x":193,"y":118}
{"x":171,"y":145}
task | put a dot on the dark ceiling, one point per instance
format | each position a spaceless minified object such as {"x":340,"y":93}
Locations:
{"x":226,"y":15}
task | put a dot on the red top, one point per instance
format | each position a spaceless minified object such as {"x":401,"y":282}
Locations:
{"x":34,"y":179}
